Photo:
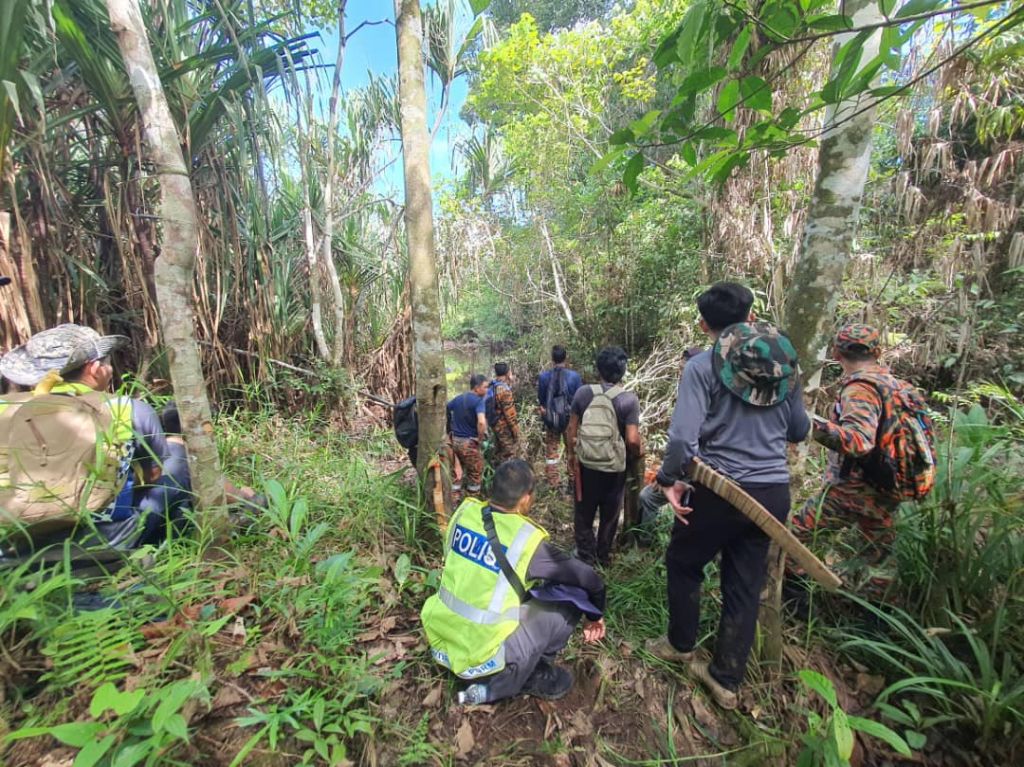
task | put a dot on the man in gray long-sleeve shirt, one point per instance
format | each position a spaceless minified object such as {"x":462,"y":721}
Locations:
{"x":738,"y":406}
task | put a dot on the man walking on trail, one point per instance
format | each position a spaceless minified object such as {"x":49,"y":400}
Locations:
{"x":508,"y":600}
{"x":556,"y":388}
{"x":604,"y":425}
{"x":105,"y":451}
{"x":468,"y":419}
{"x":848,"y":498}
{"x":505,"y":426}
{"x":738,"y":406}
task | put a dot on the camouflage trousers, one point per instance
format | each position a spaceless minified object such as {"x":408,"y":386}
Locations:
{"x":506,"y":443}
{"x":553,"y":441}
{"x":472,"y":459}
{"x":864,"y":521}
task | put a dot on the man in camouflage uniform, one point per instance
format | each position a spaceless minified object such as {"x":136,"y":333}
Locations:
{"x":506,"y":430}
{"x":468,"y":427}
{"x":846,"y":500}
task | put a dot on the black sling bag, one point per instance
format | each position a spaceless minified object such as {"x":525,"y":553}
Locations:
{"x":499,"y":554}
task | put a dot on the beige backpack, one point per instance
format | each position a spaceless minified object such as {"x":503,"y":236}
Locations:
{"x":58,"y":457}
{"x":599,"y":445}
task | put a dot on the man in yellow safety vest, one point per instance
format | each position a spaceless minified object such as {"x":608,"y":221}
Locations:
{"x":508,"y":600}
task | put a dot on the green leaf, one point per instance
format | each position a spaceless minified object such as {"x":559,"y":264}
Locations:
{"x":479,"y":6}
{"x":756,"y":94}
{"x":77,"y":734}
{"x":723,"y":136}
{"x":829,"y":23}
{"x":915,"y":7}
{"x":177,"y":726}
{"x":880,"y":731}
{"x":172,"y":699}
{"x":643,"y":125}
{"x":699,"y":81}
{"x":843,"y":734}
{"x":739,"y":48}
{"x":689,"y":153}
{"x":633,"y":168}
{"x":688,"y":34}
{"x":134,"y":753}
{"x":402,"y":567}
{"x":93,"y":752}
{"x":728,"y":98}
{"x":916,"y":740}
{"x":820,"y":684}
{"x":621,"y":136}
{"x":608,"y":159}
{"x":108,"y":697}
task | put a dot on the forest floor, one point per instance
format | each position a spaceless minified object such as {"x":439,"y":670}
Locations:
{"x":302,"y":643}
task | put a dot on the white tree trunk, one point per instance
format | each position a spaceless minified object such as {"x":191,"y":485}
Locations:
{"x":340,"y":326}
{"x":428,"y":355}
{"x":174,"y":270}
{"x":843,"y":162}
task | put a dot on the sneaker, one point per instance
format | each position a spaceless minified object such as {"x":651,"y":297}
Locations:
{"x":548,"y":682}
{"x":727,"y":699}
{"x":663,"y":649}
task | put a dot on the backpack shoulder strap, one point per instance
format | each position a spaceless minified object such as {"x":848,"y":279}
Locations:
{"x":614,"y":392}
{"x":499,"y":554}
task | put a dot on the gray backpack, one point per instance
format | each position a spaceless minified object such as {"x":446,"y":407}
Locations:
{"x":599,"y":445}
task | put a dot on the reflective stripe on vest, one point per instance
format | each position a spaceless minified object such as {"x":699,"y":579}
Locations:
{"x":475,"y":608}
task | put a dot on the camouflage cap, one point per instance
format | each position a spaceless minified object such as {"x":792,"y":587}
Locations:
{"x":859,"y":338}
{"x":63,"y":348}
{"x":757,"y":362}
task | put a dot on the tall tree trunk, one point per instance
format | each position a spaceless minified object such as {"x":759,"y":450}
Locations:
{"x":342,"y":329}
{"x":843,"y":162}
{"x":175,"y":268}
{"x":428,"y":355}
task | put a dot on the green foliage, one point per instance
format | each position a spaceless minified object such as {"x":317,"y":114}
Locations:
{"x":953,"y":676}
{"x":691,"y":57}
{"x":829,"y":738}
{"x":960,"y":549}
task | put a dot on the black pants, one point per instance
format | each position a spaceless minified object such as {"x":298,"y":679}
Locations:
{"x":602,"y":491}
{"x":717,"y":526}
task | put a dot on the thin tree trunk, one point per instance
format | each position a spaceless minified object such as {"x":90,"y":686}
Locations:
{"x":175,"y":268}
{"x":428,"y":355}
{"x":342,"y":329}
{"x":843,"y":163}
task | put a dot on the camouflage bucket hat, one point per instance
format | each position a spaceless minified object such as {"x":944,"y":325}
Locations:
{"x":757,"y":362}
{"x":856,"y":337}
{"x":63,"y":348}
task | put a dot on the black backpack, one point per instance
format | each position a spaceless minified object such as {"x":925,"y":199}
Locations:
{"x":492,"y":409}
{"x":407,"y":424}
{"x":556,"y":409}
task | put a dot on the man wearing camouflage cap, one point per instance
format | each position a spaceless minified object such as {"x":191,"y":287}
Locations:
{"x":73,"y":361}
{"x":738,"y":406}
{"x":846,"y":500}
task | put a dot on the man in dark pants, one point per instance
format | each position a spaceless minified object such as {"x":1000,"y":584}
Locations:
{"x":738,"y":406}
{"x":600,"y":448}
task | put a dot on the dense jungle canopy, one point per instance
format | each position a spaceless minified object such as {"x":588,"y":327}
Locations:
{"x":297,"y":253}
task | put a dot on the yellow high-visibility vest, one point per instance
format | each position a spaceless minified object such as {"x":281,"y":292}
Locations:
{"x":475,"y":608}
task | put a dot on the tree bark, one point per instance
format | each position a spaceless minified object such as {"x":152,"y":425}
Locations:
{"x":342,"y":329}
{"x":843,"y":163}
{"x":428,"y":355}
{"x":175,"y":267}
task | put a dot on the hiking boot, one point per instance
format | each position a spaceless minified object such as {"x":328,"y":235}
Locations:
{"x":663,"y":649}
{"x":725,"y":698}
{"x":548,"y":682}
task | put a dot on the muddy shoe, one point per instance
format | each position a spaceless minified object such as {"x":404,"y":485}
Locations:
{"x":662,"y":648}
{"x":727,"y":699}
{"x":548,"y":682}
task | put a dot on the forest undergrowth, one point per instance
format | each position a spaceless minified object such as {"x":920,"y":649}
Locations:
{"x":299,"y":640}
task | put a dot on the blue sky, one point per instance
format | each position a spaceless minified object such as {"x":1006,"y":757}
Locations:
{"x":373,"y":49}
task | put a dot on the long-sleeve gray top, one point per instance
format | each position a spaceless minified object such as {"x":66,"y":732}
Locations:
{"x":745,"y":442}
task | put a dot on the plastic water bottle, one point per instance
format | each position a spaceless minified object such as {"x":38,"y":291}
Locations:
{"x":472,"y":695}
